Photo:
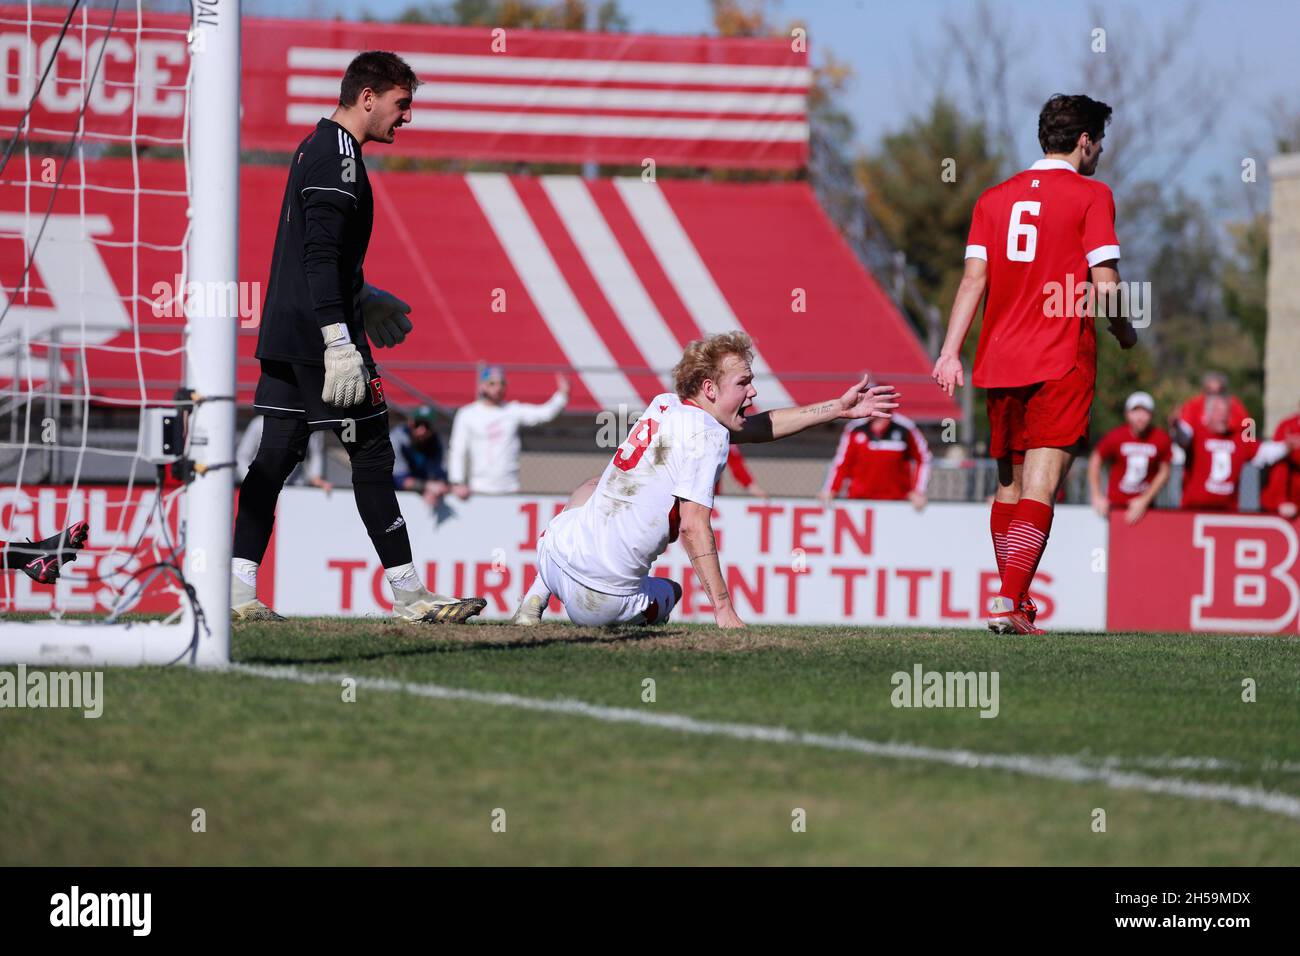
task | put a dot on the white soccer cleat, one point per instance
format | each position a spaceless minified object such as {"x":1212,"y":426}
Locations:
{"x":530,"y":612}
{"x":422,"y":606}
{"x":244,"y":605}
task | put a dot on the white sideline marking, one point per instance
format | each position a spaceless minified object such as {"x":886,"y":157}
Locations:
{"x":1068,"y":769}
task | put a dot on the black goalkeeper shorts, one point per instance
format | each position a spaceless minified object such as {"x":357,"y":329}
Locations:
{"x":288,"y":390}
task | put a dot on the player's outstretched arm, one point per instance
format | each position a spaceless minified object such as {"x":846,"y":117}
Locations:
{"x":861,"y":401}
{"x":970,"y":292}
{"x":698,"y":540}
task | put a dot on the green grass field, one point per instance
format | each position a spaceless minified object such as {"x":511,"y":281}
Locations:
{"x":287,"y":772}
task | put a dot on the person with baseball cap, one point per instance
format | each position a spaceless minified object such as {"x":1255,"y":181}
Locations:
{"x":1138,"y":455}
{"x":485,"y":446}
{"x":418,"y":451}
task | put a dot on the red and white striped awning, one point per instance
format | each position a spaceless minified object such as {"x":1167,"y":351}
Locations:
{"x":604,"y":280}
{"x":613,"y":278}
{"x":554,"y":96}
{"x":503,"y":94}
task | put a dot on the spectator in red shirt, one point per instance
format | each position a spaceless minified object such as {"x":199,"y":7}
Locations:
{"x":1214,"y":383}
{"x":1281,"y":491}
{"x":1137,"y":454}
{"x":1216,"y":453}
{"x":887,"y":460}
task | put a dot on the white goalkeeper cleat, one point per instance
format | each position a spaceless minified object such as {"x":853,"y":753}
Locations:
{"x":422,"y":606}
{"x":530,"y":611}
{"x":244,"y":605}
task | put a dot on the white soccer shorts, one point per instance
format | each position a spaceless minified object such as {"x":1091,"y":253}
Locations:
{"x":588,"y":608}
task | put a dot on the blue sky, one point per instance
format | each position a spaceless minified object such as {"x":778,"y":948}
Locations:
{"x":1249,"y":45}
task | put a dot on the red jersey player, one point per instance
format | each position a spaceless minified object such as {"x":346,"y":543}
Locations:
{"x":883,"y":460}
{"x":1138,"y":455}
{"x":1216,"y":453}
{"x":1282,"y":485}
{"x":1035,"y":241}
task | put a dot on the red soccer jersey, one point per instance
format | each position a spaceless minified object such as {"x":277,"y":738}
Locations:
{"x":1040,"y":232}
{"x":1214,"y":464}
{"x":1133,"y":460}
{"x":1283,"y":479}
{"x":888,"y":467}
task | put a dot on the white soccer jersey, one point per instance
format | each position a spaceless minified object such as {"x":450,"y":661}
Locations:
{"x":489,"y":436}
{"x":675,"y":450}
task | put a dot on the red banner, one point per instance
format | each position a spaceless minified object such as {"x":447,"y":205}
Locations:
{"x":128,"y":539}
{"x":1184,"y":571}
{"x":496,"y":94}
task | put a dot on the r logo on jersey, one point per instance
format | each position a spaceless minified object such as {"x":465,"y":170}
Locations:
{"x":376,"y":391}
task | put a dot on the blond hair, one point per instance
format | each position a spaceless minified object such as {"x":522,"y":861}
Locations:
{"x":702,"y":360}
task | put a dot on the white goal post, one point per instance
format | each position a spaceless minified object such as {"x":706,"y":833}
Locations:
{"x":198,"y":637}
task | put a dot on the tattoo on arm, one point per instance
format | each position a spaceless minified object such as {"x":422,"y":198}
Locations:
{"x":819,"y":409}
{"x":699,"y":573}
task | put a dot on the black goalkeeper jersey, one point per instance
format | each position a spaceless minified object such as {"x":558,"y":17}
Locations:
{"x":320,"y":244}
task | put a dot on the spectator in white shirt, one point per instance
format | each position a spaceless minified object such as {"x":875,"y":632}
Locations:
{"x":310,"y":472}
{"x":487,"y":433}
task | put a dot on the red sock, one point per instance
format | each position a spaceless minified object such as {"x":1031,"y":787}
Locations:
{"x":999,"y":520}
{"x":1026,"y":539}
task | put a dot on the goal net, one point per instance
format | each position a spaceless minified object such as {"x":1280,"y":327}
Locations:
{"x":119,"y":166}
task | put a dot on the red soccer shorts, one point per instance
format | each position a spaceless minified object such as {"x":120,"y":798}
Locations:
{"x":1043,"y":415}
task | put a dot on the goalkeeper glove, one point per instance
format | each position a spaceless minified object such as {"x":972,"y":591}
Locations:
{"x":385,"y":317}
{"x":345,"y":373}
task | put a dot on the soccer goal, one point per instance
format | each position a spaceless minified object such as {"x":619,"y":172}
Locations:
{"x":119,"y":308}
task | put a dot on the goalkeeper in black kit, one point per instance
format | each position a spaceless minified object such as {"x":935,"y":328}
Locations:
{"x":314,"y":343}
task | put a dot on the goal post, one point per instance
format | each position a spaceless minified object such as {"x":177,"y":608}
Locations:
{"x":198,"y":631}
{"x":212,"y":320}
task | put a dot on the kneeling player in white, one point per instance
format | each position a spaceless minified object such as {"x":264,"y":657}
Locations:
{"x":597,"y":554}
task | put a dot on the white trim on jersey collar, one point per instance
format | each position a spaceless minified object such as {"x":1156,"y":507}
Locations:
{"x":1053,"y":164}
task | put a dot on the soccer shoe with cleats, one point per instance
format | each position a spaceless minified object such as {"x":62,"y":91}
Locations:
{"x":1006,"y":618}
{"x":59,"y":550}
{"x":422,"y":606}
{"x":530,"y":612}
{"x":244,"y":605}
{"x":1029,"y":609}
{"x":73,"y":538}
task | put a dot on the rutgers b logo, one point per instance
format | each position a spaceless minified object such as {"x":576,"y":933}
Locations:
{"x":376,"y":391}
{"x":1249,"y":581}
